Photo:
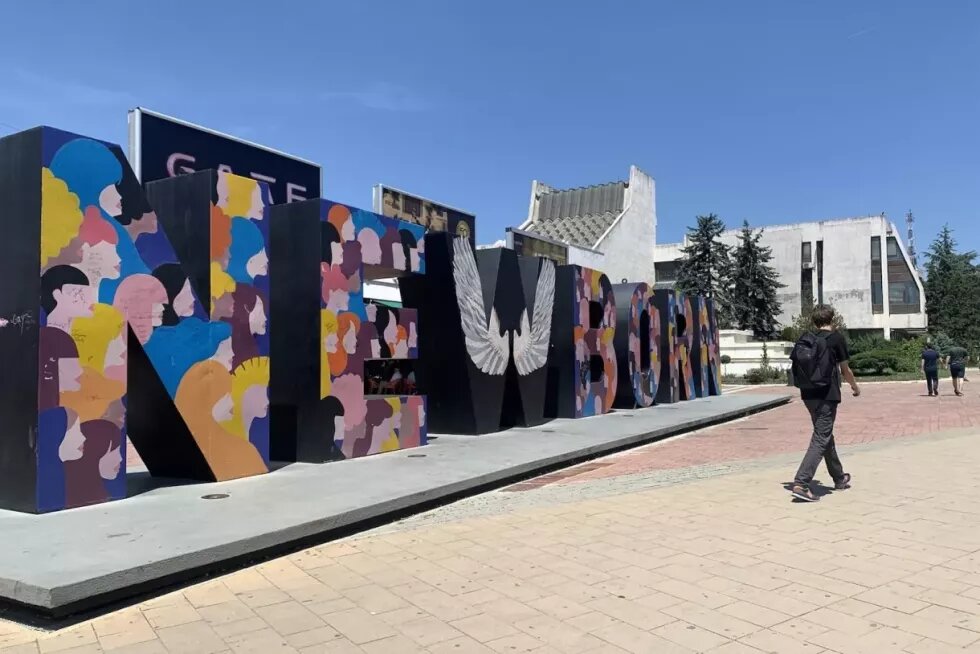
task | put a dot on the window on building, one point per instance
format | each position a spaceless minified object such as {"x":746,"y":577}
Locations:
{"x":666,"y":271}
{"x":820,"y":272}
{"x":807,"y":253}
{"x":877,"y":299}
{"x":806,"y":288}
{"x":903,"y":292}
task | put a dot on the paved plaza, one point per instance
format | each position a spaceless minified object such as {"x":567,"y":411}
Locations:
{"x":688,"y":545}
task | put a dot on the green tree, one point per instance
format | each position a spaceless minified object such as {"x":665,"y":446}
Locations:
{"x":953,"y":291}
{"x":705,"y":268}
{"x":754,"y":304}
{"x":803,"y":323}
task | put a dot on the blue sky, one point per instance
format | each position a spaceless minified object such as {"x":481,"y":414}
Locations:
{"x":772,"y":111}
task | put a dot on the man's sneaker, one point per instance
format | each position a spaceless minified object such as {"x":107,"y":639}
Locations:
{"x":844,"y":483}
{"x":801,"y":492}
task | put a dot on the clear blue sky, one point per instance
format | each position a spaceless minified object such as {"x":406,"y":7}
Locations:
{"x":773,"y":111}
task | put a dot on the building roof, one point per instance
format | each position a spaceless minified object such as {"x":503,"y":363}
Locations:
{"x":578,"y":216}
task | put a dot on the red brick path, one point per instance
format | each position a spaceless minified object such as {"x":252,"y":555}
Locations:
{"x":883,"y":411}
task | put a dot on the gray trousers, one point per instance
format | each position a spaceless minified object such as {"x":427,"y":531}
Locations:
{"x":822,"y":446}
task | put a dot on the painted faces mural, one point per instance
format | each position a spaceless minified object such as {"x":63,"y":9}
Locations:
{"x":637,"y":345}
{"x":106,"y":265}
{"x":354,"y":332}
{"x":684,"y":344}
{"x":668,"y":390}
{"x":594,"y":328}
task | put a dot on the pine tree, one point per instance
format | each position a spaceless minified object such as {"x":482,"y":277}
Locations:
{"x":754,"y":285}
{"x":953,"y":291}
{"x":705,"y":268}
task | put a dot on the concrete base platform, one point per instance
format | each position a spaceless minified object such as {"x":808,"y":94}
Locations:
{"x":74,"y":560}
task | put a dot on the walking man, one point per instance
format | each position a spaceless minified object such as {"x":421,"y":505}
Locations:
{"x":819,"y":363}
{"x":956,"y":360}
{"x":930,"y":368}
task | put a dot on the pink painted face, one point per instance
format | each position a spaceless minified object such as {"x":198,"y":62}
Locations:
{"x":110,"y":201}
{"x":256,"y":401}
{"x":156,"y":313}
{"x":100,"y":261}
{"x":370,"y":247}
{"x":391,"y":332}
{"x":184,"y":302}
{"x":330,"y":343}
{"x":257,"y":209}
{"x":416,"y":259}
{"x":257,"y":319}
{"x":413,"y":336}
{"x":401,"y":350}
{"x":69,"y":375}
{"x":110,"y":463}
{"x":223,"y":408}
{"x":75,"y":300}
{"x":224,"y":354}
{"x":375,"y":348}
{"x":338,"y":300}
{"x":398,"y":256}
{"x":73,"y":443}
{"x":350,"y":340}
{"x":258,"y":265}
{"x":115,"y":358}
{"x":338,"y":427}
{"x":347,"y":231}
{"x":337,"y":253}
{"x":141,"y":299}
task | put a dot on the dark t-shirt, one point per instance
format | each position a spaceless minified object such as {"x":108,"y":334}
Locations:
{"x":930,"y":360}
{"x":958,"y":356}
{"x":837,"y":345}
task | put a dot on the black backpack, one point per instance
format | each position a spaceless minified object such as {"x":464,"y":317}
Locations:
{"x":813,"y":363}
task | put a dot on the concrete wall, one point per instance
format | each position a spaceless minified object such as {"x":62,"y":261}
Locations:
{"x":589,"y":259}
{"x":628,"y":242}
{"x":746,"y":353}
{"x":846,"y":273}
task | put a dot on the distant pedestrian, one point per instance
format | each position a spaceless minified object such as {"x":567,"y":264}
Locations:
{"x":819,"y":363}
{"x":956,"y":360}
{"x":930,"y":368}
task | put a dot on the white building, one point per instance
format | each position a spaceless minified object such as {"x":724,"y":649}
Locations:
{"x":609,"y":227}
{"x":857,"y":265}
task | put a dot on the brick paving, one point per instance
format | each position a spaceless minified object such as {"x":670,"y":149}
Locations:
{"x":725,"y":565}
{"x":884,"y":411}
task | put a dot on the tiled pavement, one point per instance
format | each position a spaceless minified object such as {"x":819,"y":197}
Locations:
{"x":727,"y":564}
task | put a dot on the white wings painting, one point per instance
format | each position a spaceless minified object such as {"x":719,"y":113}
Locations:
{"x":489,"y":349}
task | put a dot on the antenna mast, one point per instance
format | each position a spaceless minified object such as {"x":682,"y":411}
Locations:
{"x":909,"y":222}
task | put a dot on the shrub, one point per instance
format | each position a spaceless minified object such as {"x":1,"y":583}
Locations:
{"x":876,"y":361}
{"x":765,"y":376}
{"x":725,"y":359}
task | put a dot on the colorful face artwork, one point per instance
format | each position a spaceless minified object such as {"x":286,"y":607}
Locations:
{"x":353,"y":331}
{"x":686,"y":327}
{"x":713,"y":371}
{"x":594,"y":329}
{"x":702,"y":347}
{"x":668,"y":390}
{"x":642,"y":346}
{"x":106,"y":264}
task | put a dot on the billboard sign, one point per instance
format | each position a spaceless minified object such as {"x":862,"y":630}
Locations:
{"x":435,"y":217}
{"x":161,"y":146}
{"x":535,"y":246}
